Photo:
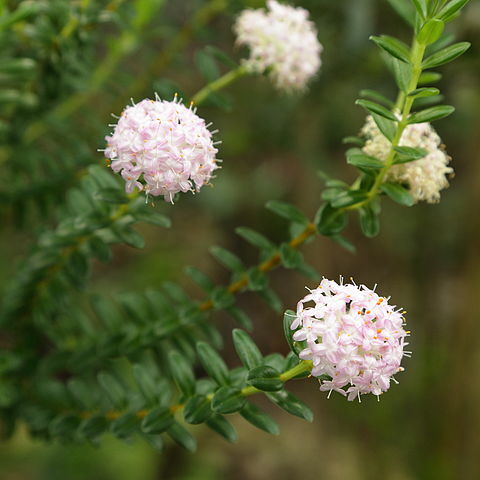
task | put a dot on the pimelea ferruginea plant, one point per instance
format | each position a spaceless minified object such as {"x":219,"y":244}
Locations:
{"x":57,"y":375}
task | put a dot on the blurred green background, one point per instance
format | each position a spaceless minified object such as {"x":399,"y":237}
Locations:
{"x":426,"y":257}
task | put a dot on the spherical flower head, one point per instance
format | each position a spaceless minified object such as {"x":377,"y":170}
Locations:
{"x":162,"y":147}
{"x":283,"y":43}
{"x":353,"y":337}
{"x":426,"y":177}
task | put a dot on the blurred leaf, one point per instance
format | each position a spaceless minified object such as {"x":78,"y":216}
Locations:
{"x":213,"y":363}
{"x":376,"y":108}
{"x":228,"y":400}
{"x":157,"y":421}
{"x":182,"y":373}
{"x":182,"y":436}
{"x":450,"y":9}
{"x":369,"y":221}
{"x":431,"y":31}
{"x":197,"y":409}
{"x":246,"y":349}
{"x":265,"y":378}
{"x":288,"y":211}
{"x":259,"y":419}
{"x":393,"y":46}
{"x":446,"y":55}
{"x":431,"y":114}
{"x":291,"y":404}
{"x":398,"y":193}
{"x":222,"y":426}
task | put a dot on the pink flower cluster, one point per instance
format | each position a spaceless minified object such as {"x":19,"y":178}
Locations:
{"x":162,"y":147}
{"x":353,"y":336}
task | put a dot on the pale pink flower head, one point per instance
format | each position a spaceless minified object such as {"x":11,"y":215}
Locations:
{"x":162,"y":147}
{"x":283,"y":43}
{"x":353,"y":336}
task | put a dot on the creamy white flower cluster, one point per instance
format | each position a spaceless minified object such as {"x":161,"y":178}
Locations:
{"x":283,"y":43}
{"x":425,"y":177}
{"x":162,"y":147}
{"x":352,"y":335}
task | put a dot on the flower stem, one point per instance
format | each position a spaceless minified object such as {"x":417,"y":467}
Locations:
{"x":218,"y":84}
{"x":303,"y":366}
{"x":404,"y":103}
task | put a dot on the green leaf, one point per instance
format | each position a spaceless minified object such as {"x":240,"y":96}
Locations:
{"x":329,"y":220}
{"x":257,"y":280}
{"x":157,"y":421}
{"x":113,"y":388}
{"x":408,"y":154}
{"x":288,"y":211}
{"x":430,"y":32}
{"x":387,"y":127}
{"x":429,"y":77}
{"x":125,"y":426}
{"x":111,"y":195}
{"x":265,"y":378}
{"x":369,"y":221}
{"x":100,"y":249}
{"x":404,"y":9}
{"x":228,"y":259}
{"x":272,"y":299}
{"x":240,"y":317}
{"x":221,"y":56}
{"x":346,"y":199}
{"x":213,"y":363}
{"x":207,"y":65}
{"x":182,"y":373}
{"x":94,"y":427}
{"x":197,"y":409}
{"x":402,"y":73}
{"x":343,"y":242}
{"x":424,"y":92}
{"x":362,"y":160}
{"x":291,"y":404}
{"x":446,"y":55}
{"x":81,"y":393}
{"x":153,"y":217}
{"x":182,"y":436}
{"x":374,"y":95}
{"x":246,"y":349}
{"x":376,"y":108}
{"x":360,"y":142}
{"x":228,"y":400}
{"x":155,"y":441}
{"x":146,"y":383}
{"x":256,"y":239}
{"x":451,"y":9}
{"x":259,"y":419}
{"x":291,"y":257}
{"x":288,"y":318}
{"x":398,"y":193}
{"x":129,"y":236}
{"x":431,"y":114}
{"x":200,"y":278}
{"x":222,"y":426}
{"x":64,"y":426}
{"x":393,"y":46}
{"x":222,"y":298}
{"x":420,"y":7}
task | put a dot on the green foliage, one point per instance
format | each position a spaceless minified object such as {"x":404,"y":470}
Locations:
{"x":82,"y":365}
